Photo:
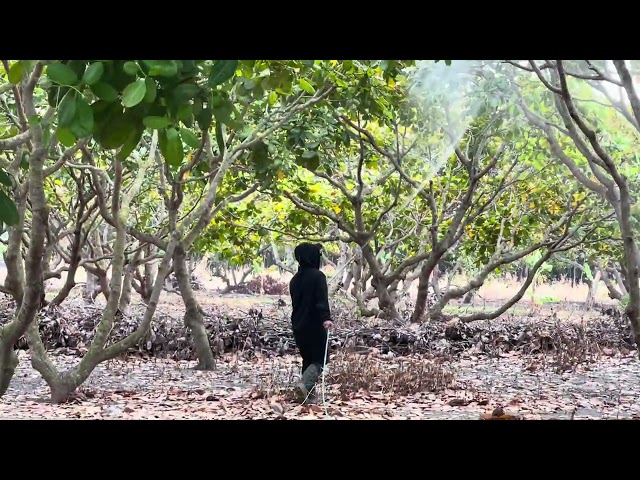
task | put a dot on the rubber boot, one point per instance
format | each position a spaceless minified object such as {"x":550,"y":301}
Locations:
{"x":307,"y":384}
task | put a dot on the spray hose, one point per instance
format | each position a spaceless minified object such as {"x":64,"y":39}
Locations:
{"x":326,"y":349}
{"x":324,"y":371}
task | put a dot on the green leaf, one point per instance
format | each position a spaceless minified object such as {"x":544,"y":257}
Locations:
{"x":249,"y":83}
{"x":260,"y":155}
{"x":197,"y":106}
{"x":152,"y":90}
{"x":8,"y":210}
{"x":115,"y":132}
{"x":55,"y":94}
{"x":62,"y":74}
{"x":93,"y":73}
{"x":156,"y":123}
{"x":184,"y":111}
{"x":306,"y":86}
{"x":16,"y":71}
{"x":34,"y":120}
{"x":67,"y":109}
{"x":105,"y":92}
{"x":134,"y":93}
{"x":66,"y":137}
{"x":220,"y":138}
{"x":162,"y":68}
{"x":189,"y":67}
{"x":184,"y":92}
{"x":273,"y":98}
{"x":587,"y":272}
{"x":222,"y":71}
{"x":4,"y":179}
{"x":204,"y":119}
{"x":223,"y":110}
{"x":309,"y":160}
{"x":103,"y":113}
{"x":82,"y":124}
{"x":188,"y":121}
{"x":171,"y":147}
{"x":189,"y":138}
{"x":130,"y":68}
{"x":131,"y":143}
{"x":78,"y":66}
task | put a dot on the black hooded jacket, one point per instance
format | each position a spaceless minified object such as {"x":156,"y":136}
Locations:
{"x":309,"y":292}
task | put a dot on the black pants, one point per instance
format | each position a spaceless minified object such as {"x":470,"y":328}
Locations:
{"x":311,"y":344}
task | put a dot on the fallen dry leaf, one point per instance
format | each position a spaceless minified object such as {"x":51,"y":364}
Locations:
{"x":277,"y":408}
{"x":159,"y":388}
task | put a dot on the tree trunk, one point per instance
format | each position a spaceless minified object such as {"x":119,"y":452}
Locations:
{"x":64,"y":384}
{"x":150,"y":272}
{"x":125,"y":296}
{"x":435,"y":281}
{"x":104,"y":288}
{"x":61,"y":385}
{"x":386,"y":301}
{"x":75,"y":257}
{"x":342,"y":262}
{"x":347,"y":281}
{"x":421,"y":298}
{"x":423,"y":289}
{"x":193,"y":319}
{"x":8,"y":364}
{"x":614,"y":293}
{"x":30,"y":288}
{"x":90,"y":287}
{"x":593,"y":290}
{"x":61,"y":392}
{"x":468,"y":297}
{"x":622,"y":289}
{"x":378,"y":281}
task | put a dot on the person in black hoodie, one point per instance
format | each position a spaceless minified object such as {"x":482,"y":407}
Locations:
{"x":311,"y":315}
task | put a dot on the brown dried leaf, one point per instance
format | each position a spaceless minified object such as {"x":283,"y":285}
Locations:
{"x":277,"y":408}
{"x":497,"y":412}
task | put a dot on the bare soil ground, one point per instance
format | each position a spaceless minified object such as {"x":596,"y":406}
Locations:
{"x":450,"y":378}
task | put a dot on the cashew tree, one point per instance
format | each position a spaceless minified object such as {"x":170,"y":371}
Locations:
{"x":588,"y":111}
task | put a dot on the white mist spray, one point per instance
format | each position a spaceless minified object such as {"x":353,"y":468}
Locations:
{"x":451,"y":97}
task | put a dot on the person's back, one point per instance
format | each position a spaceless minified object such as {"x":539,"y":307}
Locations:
{"x":311,"y":315}
{"x":310,"y":307}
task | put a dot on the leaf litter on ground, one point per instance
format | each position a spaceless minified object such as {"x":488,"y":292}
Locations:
{"x":164,"y":389}
{"x":541,"y":369}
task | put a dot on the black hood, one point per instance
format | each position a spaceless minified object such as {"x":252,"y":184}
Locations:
{"x":308,"y":255}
